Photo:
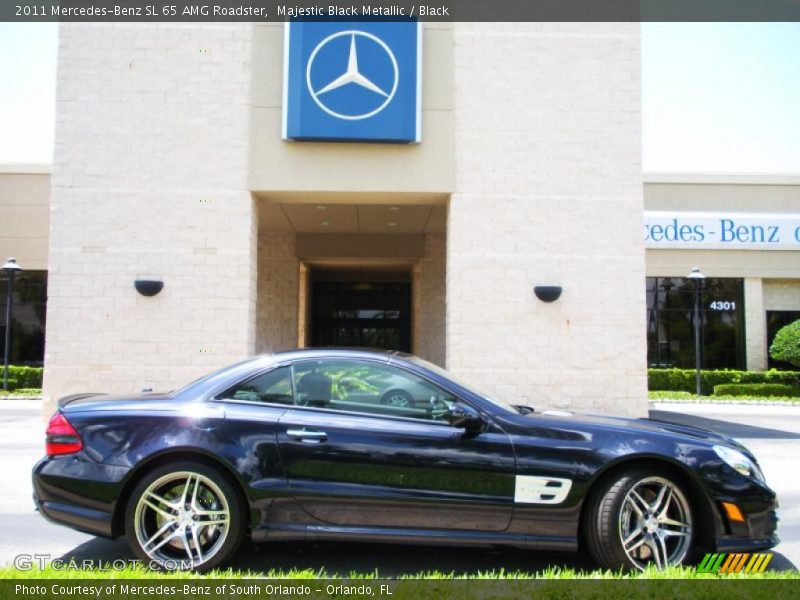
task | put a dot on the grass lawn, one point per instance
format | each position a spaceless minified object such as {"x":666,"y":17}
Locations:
{"x":555,"y":573}
{"x":27,"y":392}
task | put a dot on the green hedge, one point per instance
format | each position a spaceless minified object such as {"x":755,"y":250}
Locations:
{"x":22,"y":377}
{"x":682,"y":380}
{"x":755,"y":389}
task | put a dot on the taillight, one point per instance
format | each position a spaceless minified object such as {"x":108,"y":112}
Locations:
{"x":61,"y":437}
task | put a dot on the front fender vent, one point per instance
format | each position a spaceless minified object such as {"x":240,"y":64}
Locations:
{"x":541,"y":490}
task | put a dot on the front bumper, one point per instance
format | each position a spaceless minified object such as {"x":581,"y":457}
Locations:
{"x":79,"y":493}
{"x":758,"y":531}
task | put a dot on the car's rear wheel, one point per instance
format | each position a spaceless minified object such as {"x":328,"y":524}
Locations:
{"x":640,"y":519}
{"x":184,"y":515}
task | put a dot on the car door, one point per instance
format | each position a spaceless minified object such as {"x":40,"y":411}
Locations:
{"x":248,"y":436}
{"x":353,"y":461}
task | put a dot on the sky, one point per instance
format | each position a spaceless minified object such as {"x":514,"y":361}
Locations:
{"x":716,"y":97}
{"x":27,"y":91}
{"x":721,"y":97}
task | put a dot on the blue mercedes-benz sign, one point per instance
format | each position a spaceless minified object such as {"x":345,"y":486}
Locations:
{"x":353,"y":81}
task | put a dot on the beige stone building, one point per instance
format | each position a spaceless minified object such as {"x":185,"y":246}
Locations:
{"x":170,"y":165}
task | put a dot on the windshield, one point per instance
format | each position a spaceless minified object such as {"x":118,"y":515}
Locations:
{"x":467,"y":386}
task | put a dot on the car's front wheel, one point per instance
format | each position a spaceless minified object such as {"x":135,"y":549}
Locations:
{"x":640,"y":519}
{"x":184,"y":515}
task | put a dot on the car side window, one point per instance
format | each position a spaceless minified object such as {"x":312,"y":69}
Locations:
{"x":369,"y":387}
{"x":272,"y":387}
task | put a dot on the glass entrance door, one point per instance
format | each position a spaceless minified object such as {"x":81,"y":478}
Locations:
{"x":374,"y":315}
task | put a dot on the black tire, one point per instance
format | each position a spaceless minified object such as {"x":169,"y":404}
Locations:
{"x":225,"y":540}
{"x":399,"y":398}
{"x":607,"y":512}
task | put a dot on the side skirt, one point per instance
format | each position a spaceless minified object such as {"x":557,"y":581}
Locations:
{"x":401,"y":535}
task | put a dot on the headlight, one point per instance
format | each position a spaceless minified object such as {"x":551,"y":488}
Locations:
{"x":739,"y":462}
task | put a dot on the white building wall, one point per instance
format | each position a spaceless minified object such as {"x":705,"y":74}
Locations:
{"x":781,"y":294}
{"x":25,"y":214}
{"x":149,"y":178}
{"x":548,"y":189}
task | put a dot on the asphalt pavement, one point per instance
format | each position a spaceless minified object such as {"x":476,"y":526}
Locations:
{"x":772,"y":432}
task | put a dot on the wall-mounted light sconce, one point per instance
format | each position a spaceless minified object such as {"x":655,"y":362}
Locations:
{"x":547,"y":293}
{"x":148,"y":286}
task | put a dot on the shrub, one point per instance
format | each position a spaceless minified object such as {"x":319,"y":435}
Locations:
{"x":755,"y":389}
{"x":683,"y":379}
{"x":786,"y":345}
{"x":24,"y":377}
{"x":12,"y":383}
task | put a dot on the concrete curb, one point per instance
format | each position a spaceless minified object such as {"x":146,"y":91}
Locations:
{"x":752,"y":402}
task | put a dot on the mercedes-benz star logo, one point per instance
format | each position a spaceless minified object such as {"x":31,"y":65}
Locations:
{"x":352,"y":76}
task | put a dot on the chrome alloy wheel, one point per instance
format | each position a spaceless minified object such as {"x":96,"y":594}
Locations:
{"x":655,"y":524}
{"x":182,"y":517}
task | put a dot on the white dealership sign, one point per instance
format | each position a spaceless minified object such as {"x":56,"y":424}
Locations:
{"x":722,"y":231}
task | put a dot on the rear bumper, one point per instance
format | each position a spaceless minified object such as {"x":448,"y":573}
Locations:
{"x":78,"y":493}
{"x":89,"y":521}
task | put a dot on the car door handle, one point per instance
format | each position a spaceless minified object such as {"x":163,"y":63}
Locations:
{"x":309,"y":436}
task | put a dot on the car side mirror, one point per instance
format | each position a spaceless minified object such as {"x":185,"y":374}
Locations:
{"x":466,"y":418}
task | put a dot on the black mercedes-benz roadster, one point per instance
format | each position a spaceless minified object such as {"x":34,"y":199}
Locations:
{"x":381,"y":446}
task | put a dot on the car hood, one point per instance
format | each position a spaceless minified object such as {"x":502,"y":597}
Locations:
{"x":574,"y":420}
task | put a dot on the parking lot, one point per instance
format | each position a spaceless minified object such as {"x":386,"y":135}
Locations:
{"x":772,"y":432}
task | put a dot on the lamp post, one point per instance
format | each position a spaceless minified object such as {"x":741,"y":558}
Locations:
{"x":11,"y":267}
{"x":698,"y":278}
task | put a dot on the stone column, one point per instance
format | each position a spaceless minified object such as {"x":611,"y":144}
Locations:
{"x":755,"y":325}
{"x":548,"y":190}
{"x":429,"y":301}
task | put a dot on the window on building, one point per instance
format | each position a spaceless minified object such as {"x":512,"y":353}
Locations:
{"x":28,"y":319}
{"x":670,"y":323}
{"x":776,"y":319}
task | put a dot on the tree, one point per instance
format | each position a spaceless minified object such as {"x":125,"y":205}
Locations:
{"x":786,"y":345}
